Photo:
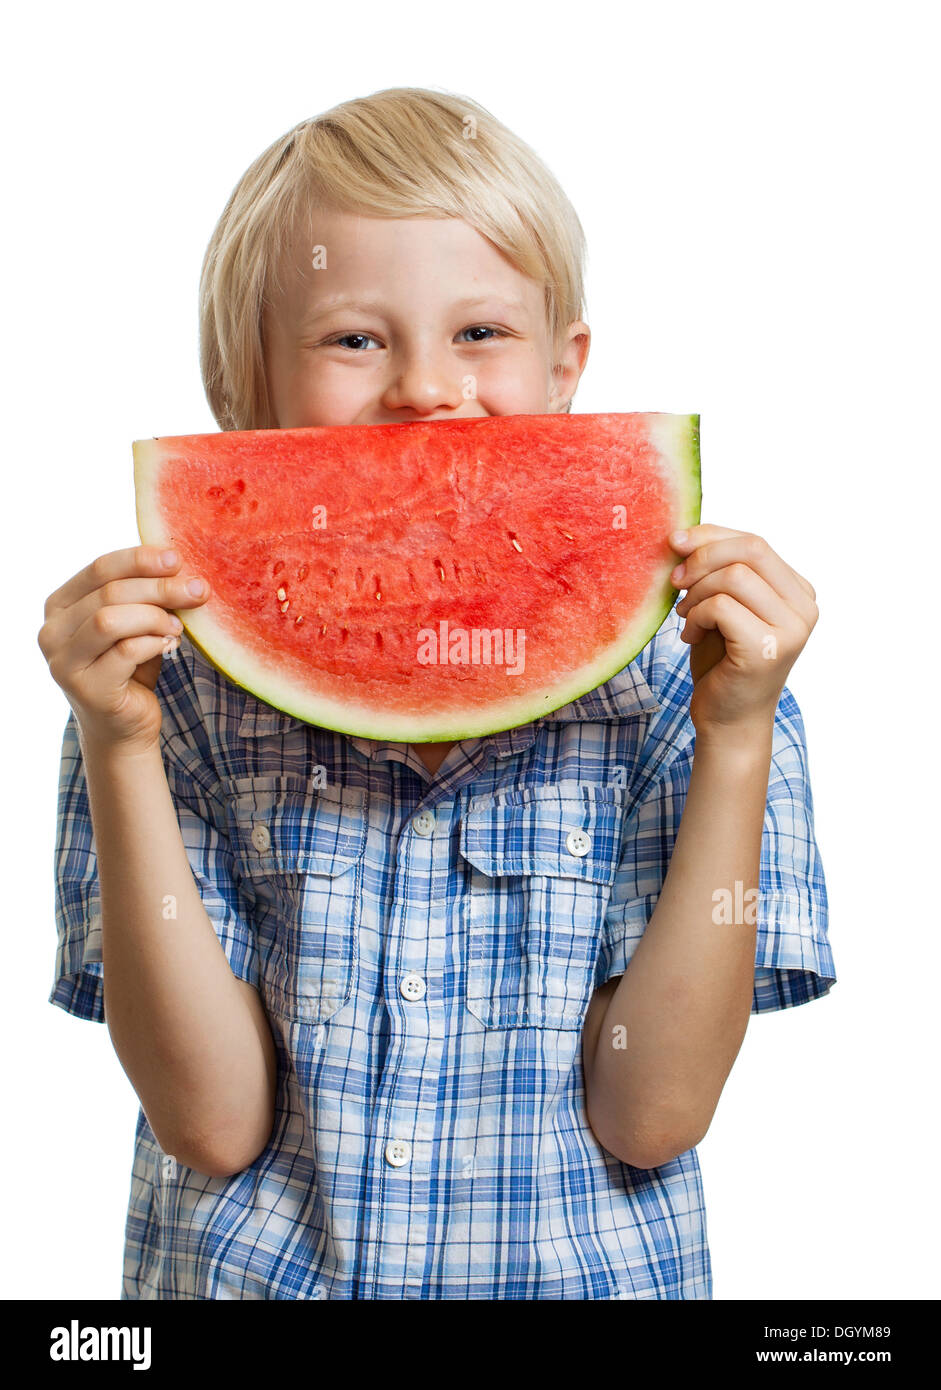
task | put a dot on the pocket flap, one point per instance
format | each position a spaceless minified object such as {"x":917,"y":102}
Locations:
{"x":567,"y":830}
{"x":279,"y":825}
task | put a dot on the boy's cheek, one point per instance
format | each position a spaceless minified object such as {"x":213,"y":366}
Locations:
{"x":517,"y":384}
{"x":327,"y":398}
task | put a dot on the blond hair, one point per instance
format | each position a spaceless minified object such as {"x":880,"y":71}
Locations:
{"x":403,"y":152}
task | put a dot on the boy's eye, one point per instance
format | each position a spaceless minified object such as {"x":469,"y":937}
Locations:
{"x":364,"y":337}
{"x":482,"y":327}
{"x":349,"y":337}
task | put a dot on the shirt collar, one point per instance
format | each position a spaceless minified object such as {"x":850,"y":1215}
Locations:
{"x":625,"y":694}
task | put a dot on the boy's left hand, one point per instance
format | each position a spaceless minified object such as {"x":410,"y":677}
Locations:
{"x":748,"y":616}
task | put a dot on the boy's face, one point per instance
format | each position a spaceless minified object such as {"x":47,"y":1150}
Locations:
{"x":414,"y":352}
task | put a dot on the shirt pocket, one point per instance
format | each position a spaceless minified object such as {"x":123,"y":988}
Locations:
{"x":540,"y":865}
{"x":300,"y":856}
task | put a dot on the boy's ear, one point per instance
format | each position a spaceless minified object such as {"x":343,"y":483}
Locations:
{"x":570,"y":358}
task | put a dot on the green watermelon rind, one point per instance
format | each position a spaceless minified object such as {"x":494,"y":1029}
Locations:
{"x":676,"y":437}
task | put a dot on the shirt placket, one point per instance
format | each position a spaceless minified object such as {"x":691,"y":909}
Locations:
{"x":405,"y":1116}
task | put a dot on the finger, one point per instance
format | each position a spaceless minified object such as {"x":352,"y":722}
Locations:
{"x":699,"y":535}
{"x":755,"y":552}
{"x":743,"y":632}
{"x":118,"y":564}
{"x":806,"y":585}
{"x":169,"y":594}
{"x":744,"y":584}
{"x":120,"y":663}
{"x":105,"y":627}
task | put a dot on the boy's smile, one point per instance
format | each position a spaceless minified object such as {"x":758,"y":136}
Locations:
{"x":436,"y":323}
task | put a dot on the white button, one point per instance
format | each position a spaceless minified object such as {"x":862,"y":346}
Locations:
{"x":398,"y":1151}
{"x":424,"y":822}
{"x":261,"y":838}
{"x":412,"y":986}
{"x":169,"y":1166}
{"x":577,"y":842}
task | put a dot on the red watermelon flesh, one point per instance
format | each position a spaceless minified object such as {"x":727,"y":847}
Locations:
{"x":352,"y":566}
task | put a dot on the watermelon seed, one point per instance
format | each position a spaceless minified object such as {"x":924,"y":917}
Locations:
{"x":302,"y":572}
{"x":285,"y":605}
{"x":299,"y":618}
{"x":378,"y":595}
{"x":566,"y":535}
{"x":278,"y":565}
{"x":282,"y":594}
{"x":215,"y":493}
{"x":323,"y":629}
{"x":515,"y":543}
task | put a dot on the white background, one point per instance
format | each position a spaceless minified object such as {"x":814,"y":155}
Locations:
{"x":758,"y":185}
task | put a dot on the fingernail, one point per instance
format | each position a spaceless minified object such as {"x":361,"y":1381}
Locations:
{"x":169,"y":558}
{"x":196,"y":587}
{"x":680,"y":537}
{"x":679,"y":572}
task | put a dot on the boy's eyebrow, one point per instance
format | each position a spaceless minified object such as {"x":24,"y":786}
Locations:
{"x":375,"y":306}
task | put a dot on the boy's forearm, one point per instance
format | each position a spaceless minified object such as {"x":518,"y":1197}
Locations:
{"x":178,"y":1017}
{"x":685,"y":998}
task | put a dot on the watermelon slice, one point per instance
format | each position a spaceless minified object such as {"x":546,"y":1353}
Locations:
{"x":429,"y":581}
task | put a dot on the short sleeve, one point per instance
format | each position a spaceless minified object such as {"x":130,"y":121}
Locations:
{"x":793,"y":958}
{"x":78,"y":986}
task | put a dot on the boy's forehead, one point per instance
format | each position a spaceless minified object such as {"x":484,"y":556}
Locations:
{"x":330,"y":255}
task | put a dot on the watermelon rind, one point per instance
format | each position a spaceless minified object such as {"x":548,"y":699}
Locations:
{"x":676,"y":438}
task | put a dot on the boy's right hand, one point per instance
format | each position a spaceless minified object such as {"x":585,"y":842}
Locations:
{"x":104,"y":636}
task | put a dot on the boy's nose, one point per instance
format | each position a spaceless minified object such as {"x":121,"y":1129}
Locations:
{"x":425,"y":385}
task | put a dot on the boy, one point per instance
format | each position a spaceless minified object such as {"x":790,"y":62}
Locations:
{"x":401,"y":1037}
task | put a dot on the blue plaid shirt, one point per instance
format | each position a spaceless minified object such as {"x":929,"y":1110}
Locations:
{"x":426,"y":949}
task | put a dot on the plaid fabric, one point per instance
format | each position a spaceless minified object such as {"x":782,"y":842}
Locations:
{"x":426,"y":949}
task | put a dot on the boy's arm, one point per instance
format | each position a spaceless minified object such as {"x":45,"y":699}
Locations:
{"x":686,"y":995}
{"x":193,"y":1039}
